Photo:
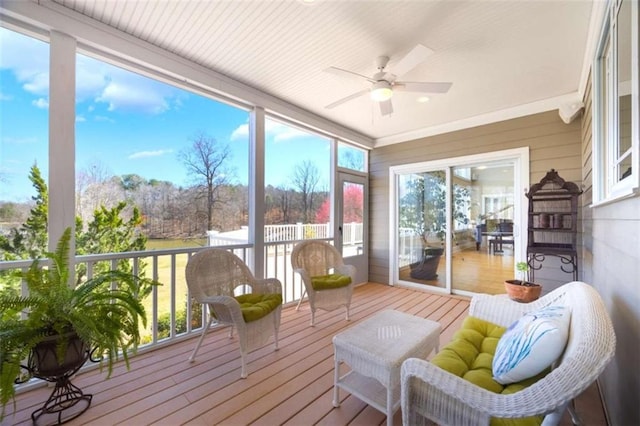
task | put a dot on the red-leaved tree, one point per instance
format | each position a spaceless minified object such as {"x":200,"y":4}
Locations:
{"x":352,"y":208}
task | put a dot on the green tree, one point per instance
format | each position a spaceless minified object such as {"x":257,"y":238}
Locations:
{"x":131,"y":182}
{"x":107,"y":232}
{"x":423,"y":205}
{"x":29,"y":241}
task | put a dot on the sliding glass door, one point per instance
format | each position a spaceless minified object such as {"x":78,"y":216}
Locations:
{"x":456,"y":223}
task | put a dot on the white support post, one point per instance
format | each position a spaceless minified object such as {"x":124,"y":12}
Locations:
{"x":62,"y":90}
{"x":256,"y":190}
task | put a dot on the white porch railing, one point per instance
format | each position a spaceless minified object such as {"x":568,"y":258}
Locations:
{"x":171,"y":314}
{"x":170,"y":311}
{"x":352,"y":234}
{"x":278,"y":233}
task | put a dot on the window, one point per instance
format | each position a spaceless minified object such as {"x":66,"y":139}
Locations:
{"x":616,"y":110}
{"x":180,"y":158}
{"x":297,"y":179}
{"x":350,"y":157}
{"x":24,"y":143}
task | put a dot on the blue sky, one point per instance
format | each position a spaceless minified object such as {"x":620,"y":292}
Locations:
{"x":126,"y":123}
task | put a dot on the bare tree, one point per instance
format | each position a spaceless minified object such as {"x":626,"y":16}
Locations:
{"x":206,"y":161}
{"x":94,"y":187}
{"x":351,"y":160}
{"x":305,"y":178}
{"x":285,"y":204}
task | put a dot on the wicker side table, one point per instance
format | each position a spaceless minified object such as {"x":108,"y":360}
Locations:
{"x":375,"y":350}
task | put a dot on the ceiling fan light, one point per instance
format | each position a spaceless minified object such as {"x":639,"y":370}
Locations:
{"x":381,"y":91}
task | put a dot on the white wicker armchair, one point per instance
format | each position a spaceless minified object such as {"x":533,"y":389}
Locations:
{"x":433,"y":393}
{"x":316,"y":258}
{"x":214,"y":277}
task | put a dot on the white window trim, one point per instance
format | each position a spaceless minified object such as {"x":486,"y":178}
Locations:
{"x":604,"y":157}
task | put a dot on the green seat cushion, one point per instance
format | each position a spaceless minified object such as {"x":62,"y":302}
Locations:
{"x":255,"y":306}
{"x":470,"y":355}
{"x":325,"y":282}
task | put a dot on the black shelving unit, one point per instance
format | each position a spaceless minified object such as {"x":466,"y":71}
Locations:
{"x":553,"y":223}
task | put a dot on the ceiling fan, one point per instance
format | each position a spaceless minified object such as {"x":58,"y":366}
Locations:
{"x":385,"y":83}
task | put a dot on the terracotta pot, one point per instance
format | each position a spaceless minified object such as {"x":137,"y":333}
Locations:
{"x":522,"y":293}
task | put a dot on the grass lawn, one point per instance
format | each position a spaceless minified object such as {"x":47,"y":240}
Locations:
{"x":158,"y":244}
{"x":164,"y":276}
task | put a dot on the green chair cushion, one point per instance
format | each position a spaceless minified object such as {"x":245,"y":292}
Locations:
{"x":325,"y":282}
{"x":470,"y":355}
{"x":255,"y":306}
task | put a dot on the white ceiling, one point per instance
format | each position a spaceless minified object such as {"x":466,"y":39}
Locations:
{"x":500,"y":55}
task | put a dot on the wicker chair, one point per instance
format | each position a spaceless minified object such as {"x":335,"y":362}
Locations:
{"x":312,"y":259}
{"x":429,"y":392}
{"x":215,"y":278}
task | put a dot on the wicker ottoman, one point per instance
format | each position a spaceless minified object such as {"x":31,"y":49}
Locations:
{"x":375,"y":350}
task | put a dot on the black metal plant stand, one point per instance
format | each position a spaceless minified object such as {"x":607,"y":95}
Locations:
{"x":66,"y":401}
{"x":570,"y":260}
{"x":62,"y":402}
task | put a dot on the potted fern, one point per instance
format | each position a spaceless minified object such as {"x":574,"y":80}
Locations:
{"x":101,"y":317}
{"x":522,"y":290}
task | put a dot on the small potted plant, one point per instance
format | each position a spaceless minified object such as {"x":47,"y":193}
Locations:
{"x":64,"y":326}
{"x":522,"y":290}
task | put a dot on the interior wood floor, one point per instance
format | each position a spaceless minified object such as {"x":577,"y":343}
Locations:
{"x":291,"y":386}
{"x":475,"y":271}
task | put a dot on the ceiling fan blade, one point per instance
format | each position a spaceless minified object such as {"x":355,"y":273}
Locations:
{"x":423,"y":87}
{"x":416,"y":56}
{"x":390,"y":77}
{"x":347,"y":99}
{"x":386,"y":107}
{"x":347,"y":73}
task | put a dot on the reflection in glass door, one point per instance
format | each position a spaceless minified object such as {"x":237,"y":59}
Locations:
{"x":422,"y":227}
{"x":352,"y":223}
{"x":483,"y":245}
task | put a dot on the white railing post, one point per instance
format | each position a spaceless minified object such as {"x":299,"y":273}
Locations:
{"x":299,"y":231}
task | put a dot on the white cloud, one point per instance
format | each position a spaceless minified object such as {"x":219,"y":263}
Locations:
{"x":19,"y":141}
{"x":90,"y":77}
{"x":103,"y":118}
{"x":38,"y":84}
{"x":122,"y":90}
{"x":273,"y":129}
{"x":4,"y":97}
{"x":28,"y":59}
{"x":40,"y":103}
{"x":122,"y":96}
{"x":96,"y":81}
{"x":146,"y":154}
{"x":80,"y":119}
{"x":280,"y":132}
{"x":240,"y":132}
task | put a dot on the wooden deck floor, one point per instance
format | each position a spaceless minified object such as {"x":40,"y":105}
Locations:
{"x":291,"y":386}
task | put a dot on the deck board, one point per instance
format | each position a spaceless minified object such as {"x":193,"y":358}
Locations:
{"x":292,"y":386}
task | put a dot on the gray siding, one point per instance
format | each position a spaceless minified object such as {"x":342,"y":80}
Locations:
{"x":611,"y":253}
{"x":552,"y":144}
